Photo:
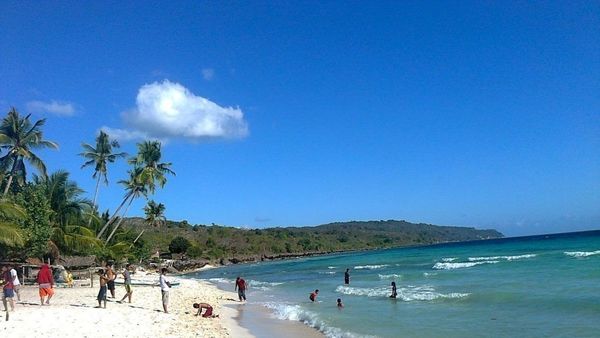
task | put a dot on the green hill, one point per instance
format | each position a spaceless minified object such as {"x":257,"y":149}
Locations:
{"x":214,"y":242}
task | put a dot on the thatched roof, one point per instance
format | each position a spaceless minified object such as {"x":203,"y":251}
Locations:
{"x":77,"y":261}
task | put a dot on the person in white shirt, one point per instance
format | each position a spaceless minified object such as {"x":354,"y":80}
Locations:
{"x":16,"y":283}
{"x":165,"y":285}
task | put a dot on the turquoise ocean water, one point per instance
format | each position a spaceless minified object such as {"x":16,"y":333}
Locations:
{"x":539,"y":286}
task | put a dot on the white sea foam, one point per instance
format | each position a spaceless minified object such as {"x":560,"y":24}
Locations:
{"x":427,"y":274}
{"x":371,"y":292}
{"x":259,"y":283}
{"x":582,"y":253}
{"x":390,"y":276}
{"x":370,"y":267}
{"x":449,"y":259}
{"x":495,"y":258}
{"x":451,"y":266}
{"x":327,"y":272}
{"x":407,"y":294}
{"x":221,"y":280}
{"x":297,"y":313}
{"x":331,"y":267}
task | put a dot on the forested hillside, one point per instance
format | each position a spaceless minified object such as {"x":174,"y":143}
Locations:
{"x":216,"y":242}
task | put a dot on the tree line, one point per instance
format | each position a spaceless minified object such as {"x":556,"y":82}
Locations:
{"x":46,"y":215}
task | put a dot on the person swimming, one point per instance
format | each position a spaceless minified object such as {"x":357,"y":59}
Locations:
{"x":313,"y":295}
{"x":339,"y":303}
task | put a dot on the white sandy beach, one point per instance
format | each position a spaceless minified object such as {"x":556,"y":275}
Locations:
{"x":71,"y":313}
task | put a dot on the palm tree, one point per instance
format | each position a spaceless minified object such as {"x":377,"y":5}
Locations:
{"x":155,"y":213}
{"x":67,"y":212}
{"x":148,"y":158}
{"x":135,"y":188}
{"x":18,"y":136}
{"x":147,"y":171}
{"x":154,"y":216}
{"x":10,"y":233}
{"x":100,"y":157}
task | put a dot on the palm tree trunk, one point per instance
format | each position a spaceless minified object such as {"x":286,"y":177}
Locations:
{"x":138,"y":237}
{"x":95,"y":197}
{"x":120,"y":221}
{"x":113,"y":217}
{"x":10,"y":177}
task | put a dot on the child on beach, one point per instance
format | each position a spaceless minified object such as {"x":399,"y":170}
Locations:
{"x":16,"y":282}
{"x":165,"y":285}
{"x":7,"y":289}
{"x":209,"y":309}
{"x":127,"y":283}
{"x":313,"y":295}
{"x":111,"y":275}
{"x":69,"y":279}
{"x":103,"y":288}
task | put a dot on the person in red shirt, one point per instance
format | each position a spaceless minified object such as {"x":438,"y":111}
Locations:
{"x":46,"y":284}
{"x":240,"y":286}
{"x":8,"y":292}
{"x":313,"y":295}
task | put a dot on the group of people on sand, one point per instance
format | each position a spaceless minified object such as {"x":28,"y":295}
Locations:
{"x":106,"y":278}
{"x":11,"y":286}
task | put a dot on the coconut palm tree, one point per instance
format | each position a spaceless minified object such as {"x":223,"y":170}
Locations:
{"x":135,"y":188}
{"x":148,"y":158}
{"x":147,"y":172}
{"x":67,"y":207}
{"x":10,"y":233}
{"x":100,"y":157}
{"x":18,"y":136}
{"x":154,"y":216}
{"x":155,"y":213}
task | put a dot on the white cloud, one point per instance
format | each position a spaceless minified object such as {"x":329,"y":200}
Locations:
{"x":208,"y":73}
{"x":53,"y":107}
{"x":169,"y":110}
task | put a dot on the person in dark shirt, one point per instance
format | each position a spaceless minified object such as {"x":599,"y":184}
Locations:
{"x":347,"y":276}
{"x":313,"y":295}
{"x":240,"y":286}
{"x":394,"y":292}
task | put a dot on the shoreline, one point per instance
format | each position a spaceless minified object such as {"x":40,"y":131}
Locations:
{"x":260,"y":321}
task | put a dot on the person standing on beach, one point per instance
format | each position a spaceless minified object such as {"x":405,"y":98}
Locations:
{"x":8,"y":292}
{"x":165,"y":285}
{"x":394,"y":291}
{"x":347,"y":277}
{"x":45,"y":281}
{"x":313,"y":295}
{"x":102,"y":292}
{"x":16,"y":282}
{"x":240,"y":286}
{"x":111,"y":275}
{"x":127,"y":283}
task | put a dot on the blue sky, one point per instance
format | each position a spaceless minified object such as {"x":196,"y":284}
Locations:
{"x":303,"y":112}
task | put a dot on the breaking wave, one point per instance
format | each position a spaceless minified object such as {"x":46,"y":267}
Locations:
{"x":407,"y":294}
{"x":452,"y":266}
{"x":370,"y":267}
{"x":582,"y":253}
{"x":390,"y":276}
{"x":495,"y":258}
{"x":297,"y":313}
